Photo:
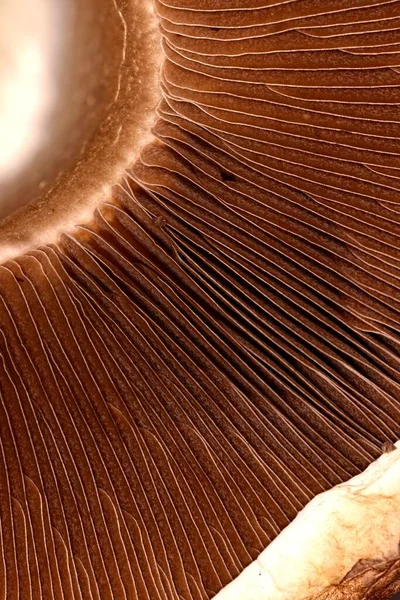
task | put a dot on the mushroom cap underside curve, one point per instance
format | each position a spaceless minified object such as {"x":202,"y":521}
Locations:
{"x":219,"y":343}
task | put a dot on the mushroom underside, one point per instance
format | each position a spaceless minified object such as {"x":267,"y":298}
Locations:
{"x":216,"y":344}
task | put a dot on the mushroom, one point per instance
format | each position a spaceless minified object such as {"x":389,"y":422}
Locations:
{"x":199,"y":301}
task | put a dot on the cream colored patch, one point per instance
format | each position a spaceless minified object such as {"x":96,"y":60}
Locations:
{"x":357,"y":520}
{"x":114,"y":148}
{"x":27,"y":50}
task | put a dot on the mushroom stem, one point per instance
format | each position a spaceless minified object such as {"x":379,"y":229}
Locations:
{"x":339,"y":534}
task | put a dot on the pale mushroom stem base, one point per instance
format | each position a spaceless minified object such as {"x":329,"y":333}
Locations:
{"x":340,"y":535}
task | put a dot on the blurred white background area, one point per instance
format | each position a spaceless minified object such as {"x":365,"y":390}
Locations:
{"x":29,"y":39}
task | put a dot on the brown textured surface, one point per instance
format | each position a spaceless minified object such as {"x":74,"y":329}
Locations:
{"x":180,"y":378}
{"x":375,"y":582}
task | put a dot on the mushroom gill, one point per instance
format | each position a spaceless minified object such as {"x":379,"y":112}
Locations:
{"x":200,"y":342}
